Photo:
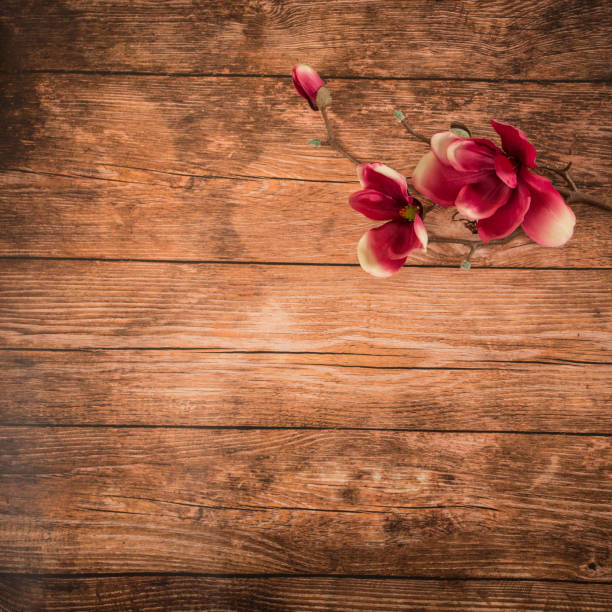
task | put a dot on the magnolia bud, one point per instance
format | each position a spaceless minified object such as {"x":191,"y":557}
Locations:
{"x":308,"y":83}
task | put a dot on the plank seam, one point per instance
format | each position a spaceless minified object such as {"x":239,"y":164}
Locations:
{"x":304,"y":428}
{"x":233,"y":177}
{"x":223,"y":351}
{"x":281,"y":263}
{"x":388,"y":510}
{"x":69,"y":576}
{"x":218,"y":75}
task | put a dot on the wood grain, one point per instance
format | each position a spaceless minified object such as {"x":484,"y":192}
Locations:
{"x":128,"y":128}
{"x":248,"y":433}
{"x":436,"y":318}
{"x":186,"y":218}
{"x":535,"y":39}
{"x":235,"y":501}
{"x":166,"y":388}
{"x":191,"y":593}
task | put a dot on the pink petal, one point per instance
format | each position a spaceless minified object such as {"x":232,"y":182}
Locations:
{"x":375,"y":204}
{"x":506,"y":218}
{"x":382,"y":178}
{"x":438,"y":182}
{"x":472,"y":155}
{"x":405,"y":239}
{"x":505,"y":170}
{"x":515,"y":143}
{"x":307,"y":82}
{"x":440,"y":142}
{"x":549,"y":220}
{"x":420,"y":232}
{"x":480,"y":200}
{"x":373,"y":250}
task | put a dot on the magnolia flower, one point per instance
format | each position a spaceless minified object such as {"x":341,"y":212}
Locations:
{"x":382,"y":251}
{"x":307,"y":82}
{"x":495,"y":187}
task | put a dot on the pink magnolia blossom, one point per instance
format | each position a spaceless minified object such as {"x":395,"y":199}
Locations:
{"x":382,"y":251}
{"x":495,"y":187}
{"x":307,"y":82}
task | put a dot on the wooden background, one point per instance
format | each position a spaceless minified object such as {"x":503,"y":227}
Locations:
{"x":205,"y":403}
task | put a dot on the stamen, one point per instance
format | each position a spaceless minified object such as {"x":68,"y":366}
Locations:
{"x":408,"y":212}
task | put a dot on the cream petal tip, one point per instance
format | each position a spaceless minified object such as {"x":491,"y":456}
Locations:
{"x":371,"y":264}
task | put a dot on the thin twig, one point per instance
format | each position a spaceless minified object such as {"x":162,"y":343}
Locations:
{"x":579,"y":196}
{"x":333,"y":141}
{"x":572,"y":193}
{"x":469,"y":224}
{"x":410,"y":129}
{"x":468,"y":257}
{"x":427,"y":209}
{"x":474,"y":245}
{"x":563,"y":173}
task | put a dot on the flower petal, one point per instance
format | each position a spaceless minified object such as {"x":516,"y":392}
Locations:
{"x":405,"y":239}
{"x":375,"y":204}
{"x":373,"y":249}
{"x":549,"y":220}
{"x":420,"y":232}
{"x":472,"y":155}
{"x":307,"y":82}
{"x":440,"y":142}
{"x":438,"y":182}
{"x":515,"y":143}
{"x":506,"y":218}
{"x":505,"y":170}
{"x":480,"y":200}
{"x":382,"y":178}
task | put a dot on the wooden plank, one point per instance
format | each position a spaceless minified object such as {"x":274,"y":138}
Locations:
{"x":535,"y":39}
{"x":432,"y":318}
{"x":189,"y":593}
{"x":212,"y":219}
{"x":107,"y":125}
{"x":286,"y":390}
{"x":329,"y":502}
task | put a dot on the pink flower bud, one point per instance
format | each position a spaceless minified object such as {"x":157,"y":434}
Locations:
{"x":307,"y":82}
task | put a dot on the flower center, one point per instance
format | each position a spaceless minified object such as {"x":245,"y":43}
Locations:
{"x":408,"y":212}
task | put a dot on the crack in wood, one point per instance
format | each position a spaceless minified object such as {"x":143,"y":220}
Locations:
{"x":246,"y":508}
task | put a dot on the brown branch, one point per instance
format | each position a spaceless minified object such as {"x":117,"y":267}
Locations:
{"x":579,"y":196}
{"x":333,"y":141}
{"x":572,"y":193}
{"x":469,"y":224}
{"x":426,"y":209}
{"x":474,"y":245}
{"x":563,"y":173}
{"x":411,"y":130}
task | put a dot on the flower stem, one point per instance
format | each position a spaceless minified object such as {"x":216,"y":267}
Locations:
{"x":572,"y":193}
{"x":579,"y":196}
{"x":411,"y":130}
{"x":333,"y":141}
{"x":474,"y":245}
